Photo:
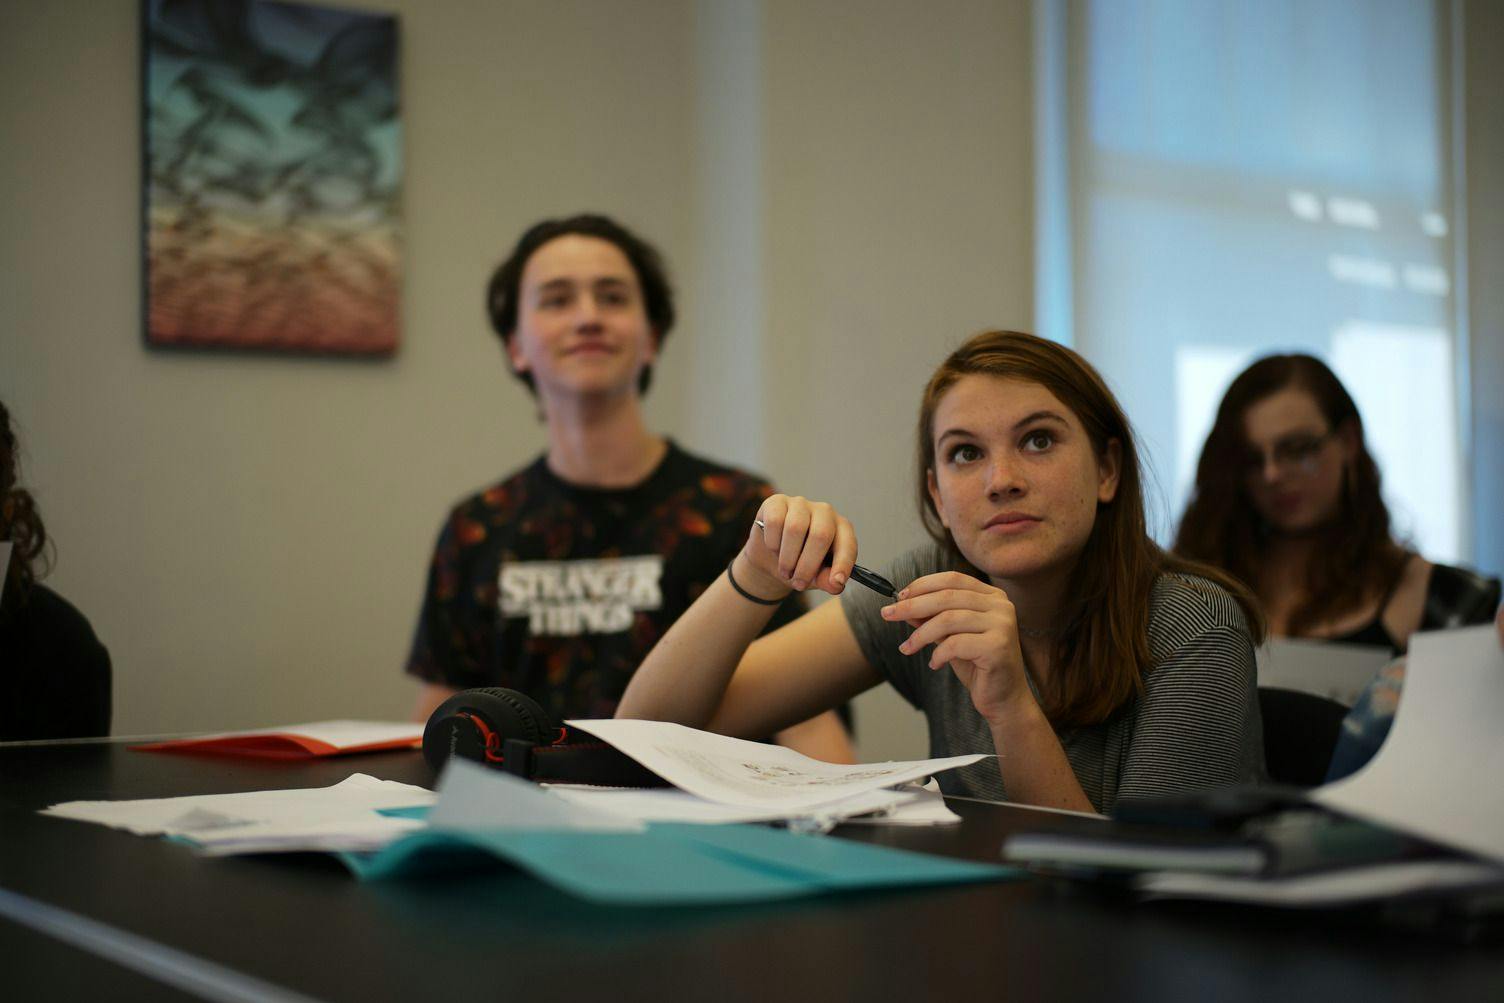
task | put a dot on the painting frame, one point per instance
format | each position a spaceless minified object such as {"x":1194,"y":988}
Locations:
{"x":272,"y":173}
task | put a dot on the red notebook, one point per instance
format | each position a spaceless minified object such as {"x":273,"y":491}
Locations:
{"x":300,"y":741}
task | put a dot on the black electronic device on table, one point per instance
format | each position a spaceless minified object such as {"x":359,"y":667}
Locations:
{"x":509,"y":731}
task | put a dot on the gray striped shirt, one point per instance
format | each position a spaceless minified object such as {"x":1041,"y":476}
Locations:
{"x":1195,"y":727}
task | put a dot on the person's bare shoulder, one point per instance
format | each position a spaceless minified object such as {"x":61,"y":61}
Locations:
{"x":1403,"y":615}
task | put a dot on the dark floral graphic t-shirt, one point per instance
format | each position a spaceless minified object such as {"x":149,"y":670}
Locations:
{"x":560,"y":591}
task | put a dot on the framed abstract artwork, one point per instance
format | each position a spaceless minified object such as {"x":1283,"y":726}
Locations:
{"x":272,"y":177}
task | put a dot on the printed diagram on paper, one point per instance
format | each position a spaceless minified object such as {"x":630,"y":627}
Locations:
{"x":751,"y":774}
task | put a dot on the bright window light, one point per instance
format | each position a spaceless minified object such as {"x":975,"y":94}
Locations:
{"x":1361,"y":271}
{"x":1353,"y":212}
{"x":1433,"y":224}
{"x":1250,"y":178}
{"x":1429,"y":279}
{"x":1306,"y":205}
{"x":1402,"y":379}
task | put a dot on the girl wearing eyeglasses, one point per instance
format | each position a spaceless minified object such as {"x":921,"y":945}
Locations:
{"x":1287,"y":499}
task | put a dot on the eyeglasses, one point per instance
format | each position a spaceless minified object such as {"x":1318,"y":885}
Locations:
{"x":1296,"y":454}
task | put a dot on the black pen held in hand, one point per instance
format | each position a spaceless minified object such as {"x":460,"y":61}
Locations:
{"x":874,"y":581}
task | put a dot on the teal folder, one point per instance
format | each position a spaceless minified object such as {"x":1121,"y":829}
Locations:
{"x":676,"y":864}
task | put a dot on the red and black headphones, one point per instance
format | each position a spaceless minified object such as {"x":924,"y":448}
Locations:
{"x":507,"y":730}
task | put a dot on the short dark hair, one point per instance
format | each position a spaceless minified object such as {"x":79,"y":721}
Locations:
{"x":652,"y":276}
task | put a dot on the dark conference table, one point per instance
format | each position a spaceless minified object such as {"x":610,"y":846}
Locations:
{"x":299,"y":926}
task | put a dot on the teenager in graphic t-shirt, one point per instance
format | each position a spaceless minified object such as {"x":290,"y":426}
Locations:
{"x":557,"y":580}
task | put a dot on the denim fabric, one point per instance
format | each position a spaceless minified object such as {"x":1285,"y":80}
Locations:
{"x":1368,"y":723}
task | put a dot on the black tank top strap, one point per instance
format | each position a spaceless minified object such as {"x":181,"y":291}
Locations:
{"x":1374,"y":633}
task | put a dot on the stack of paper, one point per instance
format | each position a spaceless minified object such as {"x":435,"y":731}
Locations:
{"x":724,"y":779}
{"x":483,"y":816}
{"x":1434,"y":778}
{"x":720,"y":781}
{"x":627,"y":847}
{"x":348,"y":816}
{"x":1437,"y":774}
{"x":1350,"y":886}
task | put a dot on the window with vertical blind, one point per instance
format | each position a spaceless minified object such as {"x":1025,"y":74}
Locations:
{"x":1244,"y":178}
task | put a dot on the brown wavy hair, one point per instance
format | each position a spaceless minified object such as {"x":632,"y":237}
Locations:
{"x":1356,"y":553}
{"x":1102,"y":653}
{"x":20,"y":522}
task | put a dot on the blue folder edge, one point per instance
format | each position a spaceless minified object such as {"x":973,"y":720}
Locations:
{"x":675,"y":864}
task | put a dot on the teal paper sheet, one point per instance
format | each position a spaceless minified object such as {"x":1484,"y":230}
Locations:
{"x":676,"y":864}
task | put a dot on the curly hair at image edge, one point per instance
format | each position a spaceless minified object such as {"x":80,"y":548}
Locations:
{"x":20,"y":522}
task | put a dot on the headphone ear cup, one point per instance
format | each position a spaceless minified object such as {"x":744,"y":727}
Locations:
{"x":472,"y":722}
{"x":523,"y":717}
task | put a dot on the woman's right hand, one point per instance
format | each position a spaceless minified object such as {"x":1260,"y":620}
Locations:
{"x":797,"y":543}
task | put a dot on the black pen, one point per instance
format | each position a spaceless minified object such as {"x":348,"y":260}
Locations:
{"x":874,"y":581}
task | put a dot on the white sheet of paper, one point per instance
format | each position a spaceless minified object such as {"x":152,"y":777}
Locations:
{"x":673,"y":805}
{"x":350,"y":835}
{"x":920,"y":806}
{"x":1438,"y":773}
{"x":472,"y":796}
{"x":351,"y":801}
{"x":667,"y":804}
{"x":752,"y":774}
{"x":1336,"y":671}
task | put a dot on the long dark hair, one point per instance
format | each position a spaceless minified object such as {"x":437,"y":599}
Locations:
{"x":1102,"y":654}
{"x":20,"y":522}
{"x":1355,"y":557}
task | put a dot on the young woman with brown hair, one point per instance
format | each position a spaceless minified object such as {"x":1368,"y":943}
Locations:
{"x":1287,"y":499}
{"x":1042,"y":624}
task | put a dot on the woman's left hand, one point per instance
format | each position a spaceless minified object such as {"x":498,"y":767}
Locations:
{"x":974,"y":628}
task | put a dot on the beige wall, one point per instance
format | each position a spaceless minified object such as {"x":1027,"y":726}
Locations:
{"x":842,"y":187}
{"x":897,"y":174}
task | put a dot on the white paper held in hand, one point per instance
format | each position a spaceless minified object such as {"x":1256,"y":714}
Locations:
{"x":1336,"y":671}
